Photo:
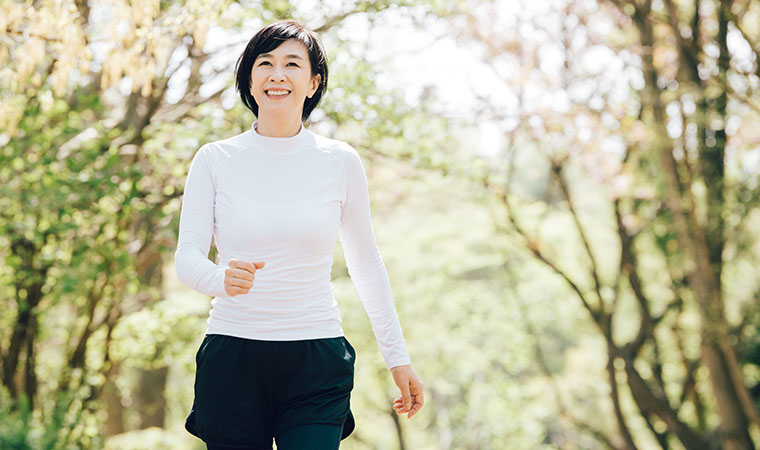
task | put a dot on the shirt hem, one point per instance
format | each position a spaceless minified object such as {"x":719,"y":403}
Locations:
{"x":271,"y":335}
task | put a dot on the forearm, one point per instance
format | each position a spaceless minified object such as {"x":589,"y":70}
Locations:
{"x":198,"y":272}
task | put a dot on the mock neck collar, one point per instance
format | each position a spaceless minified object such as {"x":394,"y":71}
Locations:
{"x":278,"y":145}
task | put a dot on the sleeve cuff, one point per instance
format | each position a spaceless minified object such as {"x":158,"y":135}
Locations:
{"x":219,"y":282}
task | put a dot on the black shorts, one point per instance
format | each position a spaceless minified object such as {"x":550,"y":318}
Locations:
{"x":249,"y":391}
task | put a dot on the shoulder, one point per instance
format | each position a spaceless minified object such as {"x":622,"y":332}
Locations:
{"x":214,"y":153}
{"x":341,"y":150}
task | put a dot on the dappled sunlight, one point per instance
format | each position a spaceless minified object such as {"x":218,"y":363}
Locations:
{"x":565,"y":195}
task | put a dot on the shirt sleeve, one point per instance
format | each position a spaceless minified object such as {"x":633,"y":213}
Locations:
{"x":365,"y":264}
{"x":196,"y":227}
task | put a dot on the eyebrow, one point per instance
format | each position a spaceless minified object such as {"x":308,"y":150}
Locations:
{"x":269,"y":55}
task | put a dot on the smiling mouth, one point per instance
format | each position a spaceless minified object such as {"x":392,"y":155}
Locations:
{"x":277,"y":93}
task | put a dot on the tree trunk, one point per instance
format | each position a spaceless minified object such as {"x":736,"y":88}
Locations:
{"x":112,"y":400}
{"x":733,"y":427}
{"x":20,"y":351}
{"x":149,"y":398}
{"x":734,"y":423}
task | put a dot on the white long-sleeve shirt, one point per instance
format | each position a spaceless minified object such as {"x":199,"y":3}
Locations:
{"x":284,"y":201}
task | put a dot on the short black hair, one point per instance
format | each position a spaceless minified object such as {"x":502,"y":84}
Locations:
{"x":269,"y":38}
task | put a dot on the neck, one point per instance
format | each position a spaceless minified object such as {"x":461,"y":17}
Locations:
{"x":278,"y":126}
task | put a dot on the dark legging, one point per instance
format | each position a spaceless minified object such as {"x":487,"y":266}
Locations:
{"x":304,"y":437}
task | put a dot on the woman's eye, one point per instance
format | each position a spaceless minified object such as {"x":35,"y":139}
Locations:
{"x":293,"y":64}
{"x":262,"y":63}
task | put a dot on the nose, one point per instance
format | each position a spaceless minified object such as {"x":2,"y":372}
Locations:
{"x":276,"y":75}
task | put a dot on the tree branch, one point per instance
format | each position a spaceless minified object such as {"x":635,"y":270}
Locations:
{"x":686,"y":49}
{"x":564,"y":411}
{"x":628,"y":265}
{"x":615,"y":395}
{"x":649,"y":403}
{"x":557,"y":175}
{"x":596,"y":313}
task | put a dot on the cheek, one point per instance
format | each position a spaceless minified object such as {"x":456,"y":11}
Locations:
{"x":257,"y":77}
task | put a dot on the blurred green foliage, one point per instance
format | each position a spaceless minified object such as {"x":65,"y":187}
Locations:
{"x":95,"y":326}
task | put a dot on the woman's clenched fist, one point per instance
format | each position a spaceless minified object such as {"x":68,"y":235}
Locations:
{"x":238,"y":278}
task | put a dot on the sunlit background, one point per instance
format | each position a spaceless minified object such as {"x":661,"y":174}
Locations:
{"x":565,"y":194}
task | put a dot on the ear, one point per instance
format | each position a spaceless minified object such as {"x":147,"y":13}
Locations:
{"x":315,"y":82}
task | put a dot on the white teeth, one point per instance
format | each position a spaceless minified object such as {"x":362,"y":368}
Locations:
{"x":277,"y":92}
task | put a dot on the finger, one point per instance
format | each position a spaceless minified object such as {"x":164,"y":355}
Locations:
{"x":414,"y":410}
{"x":398,"y":405}
{"x":418,"y":402}
{"x":418,"y":397}
{"x":243,"y":266}
{"x":418,"y":394}
{"x":243,"y":284}
{"x":406,"y":396}
{"x":232,"y":272}
{"x":259,"y":264}
{"x":241,"y":274}
{"x":233,"y":291}
{"x":237,"y":285}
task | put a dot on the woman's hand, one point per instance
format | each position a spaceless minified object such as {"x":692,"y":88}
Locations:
{"x":238,"y":278}
{"x":412,"y":398}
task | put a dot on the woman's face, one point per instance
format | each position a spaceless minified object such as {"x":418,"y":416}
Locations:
{"x":281,"y":79}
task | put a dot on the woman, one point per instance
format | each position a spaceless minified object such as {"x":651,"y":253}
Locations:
{"x":274,"y":363}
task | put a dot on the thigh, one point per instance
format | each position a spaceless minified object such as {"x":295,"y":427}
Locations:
{"x":317,"y":377}
{"x":315,"y":436}
{"x":222,"y":447}
{"x":232,"y":406}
